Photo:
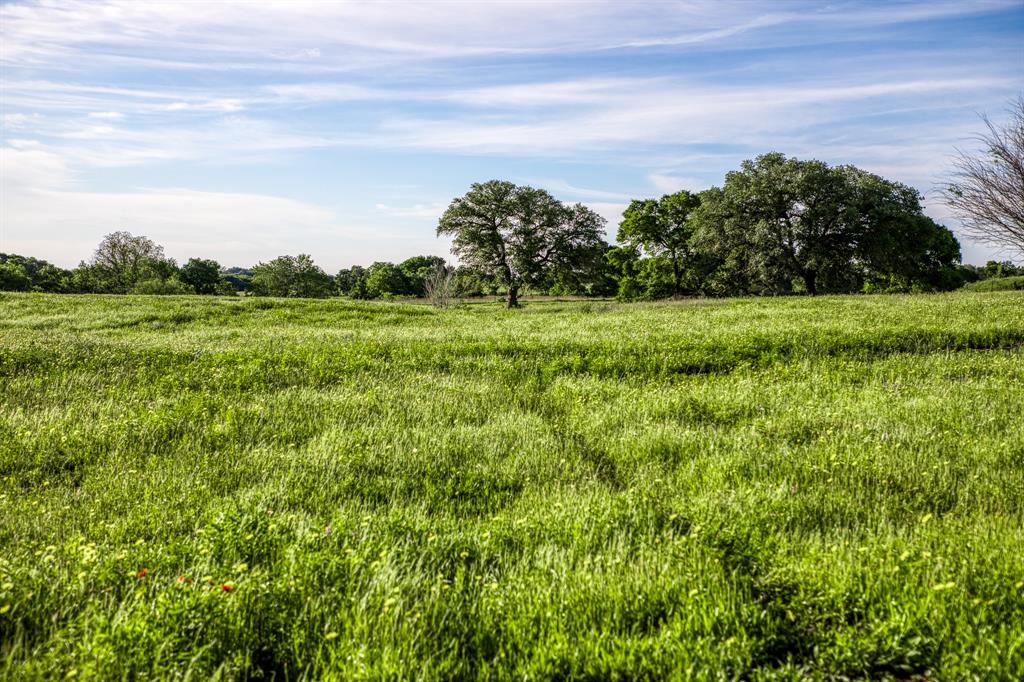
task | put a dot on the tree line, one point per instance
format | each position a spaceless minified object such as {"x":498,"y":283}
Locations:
{"x":776,"y":226}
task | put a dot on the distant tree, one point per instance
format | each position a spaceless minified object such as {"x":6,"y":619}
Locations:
{"x":236,"y":280}
{"x":520,"y":235}
{"x":987,"y":188}
{"x":291,"y":276}
{"x":416,"y":270}
{"x":351,"y":282}
{"x":42,"y":276}
{"x":385,"y":280}
{"x":469,"y":283}
{"x":995,"y":269}
{"x":13,"y":277}
{"x":662,"y":227}
{"x":203,"y":275}
{"x":122,"y":260}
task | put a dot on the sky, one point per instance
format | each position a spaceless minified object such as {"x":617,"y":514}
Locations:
{"x":242,"y":131}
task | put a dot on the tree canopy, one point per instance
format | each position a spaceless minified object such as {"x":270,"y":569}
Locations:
{"x":780,"y":222}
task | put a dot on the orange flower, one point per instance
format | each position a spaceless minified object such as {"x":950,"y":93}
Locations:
{"x":227,"y":587}
{"x":182,"y":579}
{"x":142,"y":573}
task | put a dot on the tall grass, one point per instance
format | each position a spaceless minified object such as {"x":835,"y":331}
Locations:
{"x":199,"y":488}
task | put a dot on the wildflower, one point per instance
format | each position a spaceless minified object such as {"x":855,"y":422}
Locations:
{"x":182,"y":580}
{"x":142,"y":573}
{"x":227,"y":587}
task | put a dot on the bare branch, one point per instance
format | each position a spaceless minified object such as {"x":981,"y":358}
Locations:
{"x":986,"y":189}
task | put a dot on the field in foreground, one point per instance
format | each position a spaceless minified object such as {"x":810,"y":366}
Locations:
{"x":755,"y":489}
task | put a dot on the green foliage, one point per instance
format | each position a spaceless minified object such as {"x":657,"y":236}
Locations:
{"x":415,"y":270}
{"x":351,"y":282}
{"x":781,"y":225}
{"x":122,"y":261}
{"x":522,"y":236}
{"x":211,"y":488}
{"x":13,"y":277}
{"x":662,"y":228}
{"x":238,"y":279}
{"x":292,"y":277}
{"x":997,"y":284}
{"x":385,"y":280}
{"x":24,"y":273}
{"x":162,"y":287}
{"x":202,"y":274}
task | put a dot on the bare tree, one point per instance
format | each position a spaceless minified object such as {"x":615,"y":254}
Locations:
{"x":987,"y":188}
{"x":439,"y":285}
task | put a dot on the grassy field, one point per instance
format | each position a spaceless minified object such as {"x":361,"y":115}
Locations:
{"x":198,"y":488}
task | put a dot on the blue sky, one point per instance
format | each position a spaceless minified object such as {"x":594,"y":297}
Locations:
{"x":246,"y":130}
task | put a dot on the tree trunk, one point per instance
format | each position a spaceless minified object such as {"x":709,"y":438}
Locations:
{"x":676,"y":276}
{"x":513,"y":296}
{"x":811,"y":280}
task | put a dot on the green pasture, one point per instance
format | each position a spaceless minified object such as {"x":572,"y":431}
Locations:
{"x":796,"y":488}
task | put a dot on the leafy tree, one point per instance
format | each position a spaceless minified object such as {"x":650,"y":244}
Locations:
{"x":13,"y":277}
{"x":203,"y":275}
{"x":42,"y":276}
{"x":122,"y":260}
{"x":291,"y":276}
{"x":416,"y":270}
{"x":351,"y":282}
{"x":987,"y":188}
{"x":384,"y":280}
{"x":520,"y":235}
{"x":662,"y":227}
{"x":781,"y":221}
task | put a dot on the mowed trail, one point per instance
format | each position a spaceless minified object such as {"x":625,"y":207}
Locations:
{"x":753,"y":489}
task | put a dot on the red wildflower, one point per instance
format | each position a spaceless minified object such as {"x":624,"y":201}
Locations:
{"x":182,"y":579}
{"x":142,"y":573}
{"x":227,"y":587}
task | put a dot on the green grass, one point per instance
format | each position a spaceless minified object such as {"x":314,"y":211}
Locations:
{"x":997,"y":284}
{"x":829,"y":488}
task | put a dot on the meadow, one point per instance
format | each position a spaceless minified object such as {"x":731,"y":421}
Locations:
{"x":798,"y":488}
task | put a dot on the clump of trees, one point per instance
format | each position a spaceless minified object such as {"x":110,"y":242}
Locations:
{"x":23,"y":273}
{"x":777,"y":225}
{"x":781,"y":225}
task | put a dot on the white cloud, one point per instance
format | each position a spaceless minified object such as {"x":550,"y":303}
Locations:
{"x":669,"y":184}
{"x":431,"y":211}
